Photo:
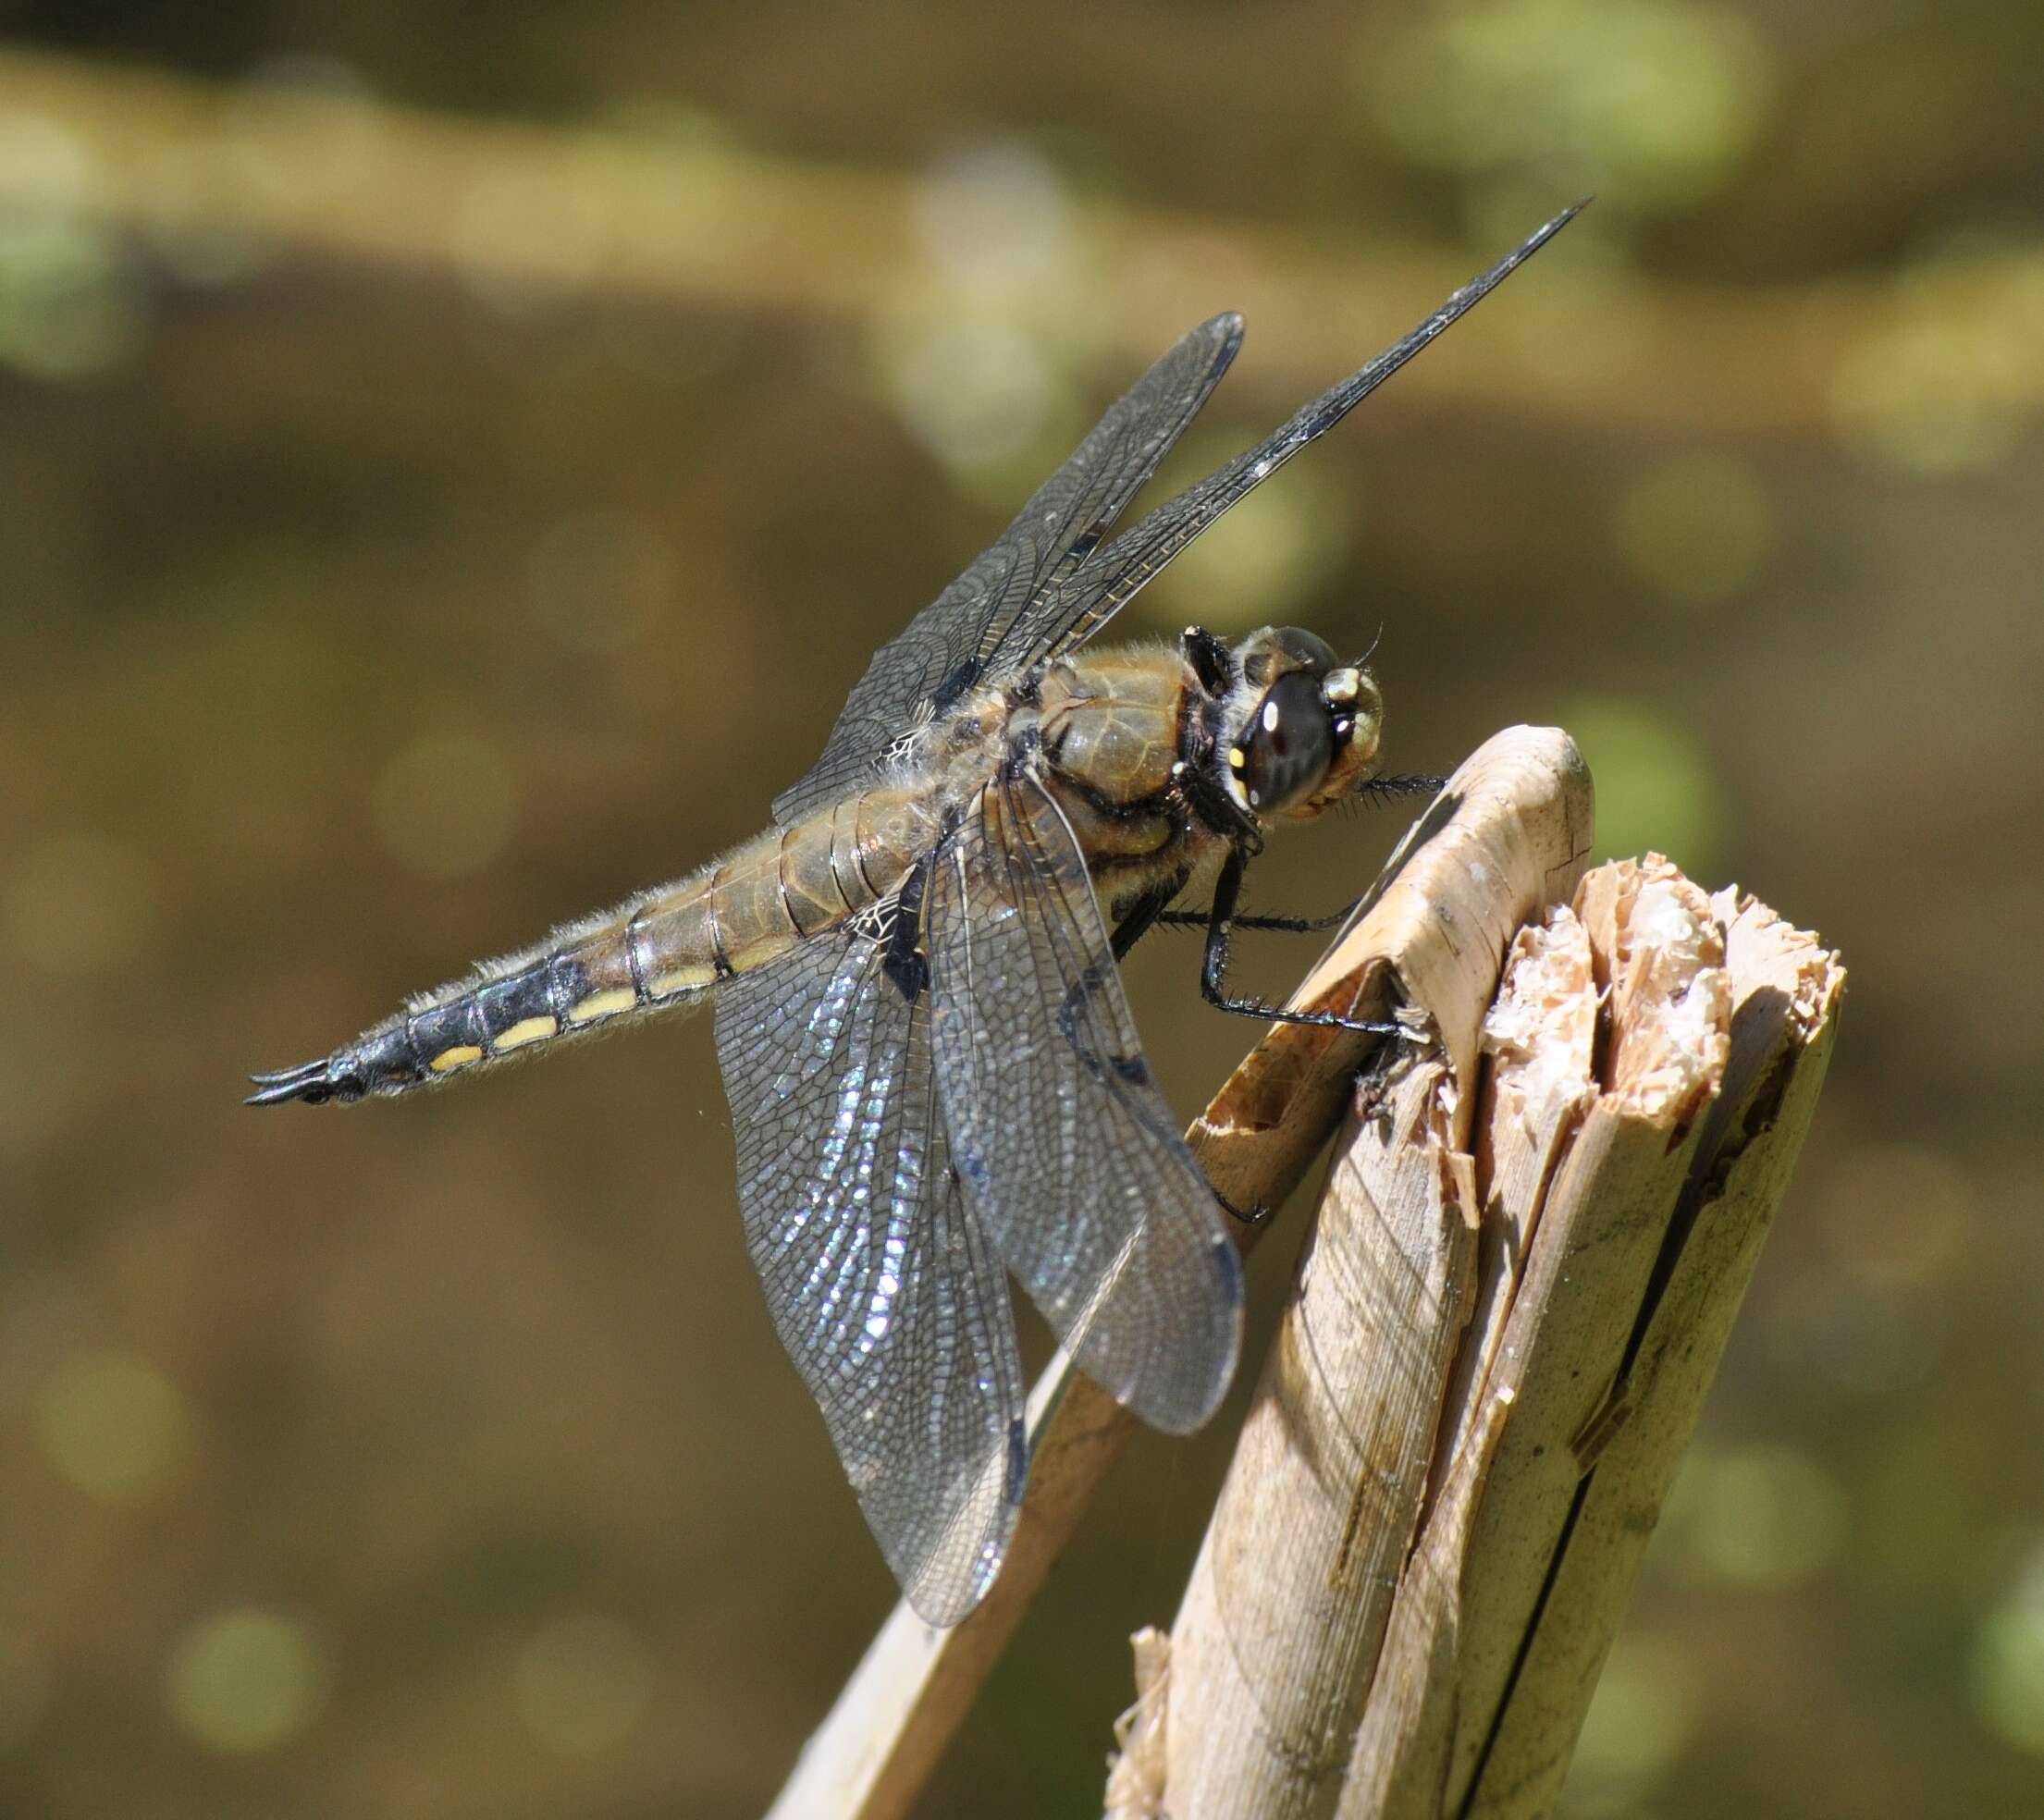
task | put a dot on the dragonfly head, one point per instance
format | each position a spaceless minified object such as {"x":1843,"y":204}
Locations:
{"x":1302,"y":726}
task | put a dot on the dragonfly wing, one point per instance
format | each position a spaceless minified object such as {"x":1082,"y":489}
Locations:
{"x":1118,"y":572}
{"x":1070,"y":1155}
{"x":987,"y":625}
{"x":1048,"y":585}
{"x":885,"y":1290}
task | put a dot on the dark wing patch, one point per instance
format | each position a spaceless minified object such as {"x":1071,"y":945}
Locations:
{"x":1070,"y":1155}
{"x":885,"y":1290}
{"x":968,"y":633}
{"x":1121,"y":570}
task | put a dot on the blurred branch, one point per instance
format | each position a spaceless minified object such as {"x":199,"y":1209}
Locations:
{"x":1513,"y":1301}
{"x":1516,"y":817}
{"x":177,"y":160}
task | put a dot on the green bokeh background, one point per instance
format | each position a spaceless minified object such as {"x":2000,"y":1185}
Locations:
{"x":411,"y":544}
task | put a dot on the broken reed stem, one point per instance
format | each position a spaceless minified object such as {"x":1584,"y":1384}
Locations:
{"x":1506,"y":1319}
{"x":1504,"y":841}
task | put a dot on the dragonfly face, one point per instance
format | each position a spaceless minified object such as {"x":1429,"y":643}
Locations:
{"x":934,"y":1080}
{"x":1306,"y":731}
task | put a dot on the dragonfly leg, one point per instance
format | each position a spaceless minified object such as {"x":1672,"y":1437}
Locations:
{"x":1379,"y":788}
{"x":1146,"y":912}
{"x":1227,"y":891}
{"x":1281,"y":925}
{"x":1376,"y":788}
{"x":1209,"y":799}
{"x":1139,"y":917}
{"x":1259,"y":1215}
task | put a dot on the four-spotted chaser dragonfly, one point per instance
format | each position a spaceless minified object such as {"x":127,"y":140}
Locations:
{"x":934,"y":1080}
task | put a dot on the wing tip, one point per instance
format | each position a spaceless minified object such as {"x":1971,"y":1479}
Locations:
{"x":1223,"y":331}
{"x":1548,"y":229}
{"x":935,"y":1588}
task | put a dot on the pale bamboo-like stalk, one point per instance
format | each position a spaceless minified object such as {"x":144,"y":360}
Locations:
{"x":1285,"y":1610}
{"x":1428,"y":1537}
{"x":1507,"y":839}
{"x":1620,"y":1333}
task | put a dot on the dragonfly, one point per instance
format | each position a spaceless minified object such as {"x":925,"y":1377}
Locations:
{"x":935,"y":1082}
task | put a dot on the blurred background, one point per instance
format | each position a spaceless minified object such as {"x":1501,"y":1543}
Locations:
{"x":453,"y":461}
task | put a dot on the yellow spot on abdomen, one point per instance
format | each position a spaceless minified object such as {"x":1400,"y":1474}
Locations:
{"x":528,"y":1030}
{"x":460,"y":1056}
{"x":680,"y":980}
{"x":602,"y":1004}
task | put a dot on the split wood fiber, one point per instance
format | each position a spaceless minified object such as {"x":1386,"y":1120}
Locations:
{"x":1514,"y":1298}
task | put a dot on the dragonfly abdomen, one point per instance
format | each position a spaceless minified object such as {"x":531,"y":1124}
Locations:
{"x":764,"y":898}
{"x":580,"y":979}
{"x":662,"y":949}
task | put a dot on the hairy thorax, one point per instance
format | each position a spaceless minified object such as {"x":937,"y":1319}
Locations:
{"x":1101,"y":737}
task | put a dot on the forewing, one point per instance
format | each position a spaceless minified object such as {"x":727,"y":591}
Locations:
{"x":884,"y":1288}
{"x":989,"y":622}
{"x":1070,"y":1155}
{"x":1120,"y":571}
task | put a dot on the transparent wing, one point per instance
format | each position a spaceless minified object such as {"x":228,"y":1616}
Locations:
{"x":1047,"y":586}
{"x":1070,"y":1155}
{"x":884,"y":1288}
{"x":988,"y":623}
{"x":1120,"y":571}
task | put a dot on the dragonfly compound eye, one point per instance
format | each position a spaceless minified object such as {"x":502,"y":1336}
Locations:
{"x":1284,"y":752}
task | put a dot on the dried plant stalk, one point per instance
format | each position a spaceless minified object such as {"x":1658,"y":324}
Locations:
{"x":1603,"y":1210}
{"x":1281,"y":1621}
{"x":1288,"y":1600}
{"x":1671,"y":1310}
{"x":1506,"y":839}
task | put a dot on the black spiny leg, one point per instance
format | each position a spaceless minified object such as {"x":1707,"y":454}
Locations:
{"x":1147,"y":911}
{"x":1227,"y":892}
{"x":1380,"y":789}
{"x":1140,"y":916}
{"x":1377,"y":789}
{"x":1208,"y":798}
{"x":1278,"y":925}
